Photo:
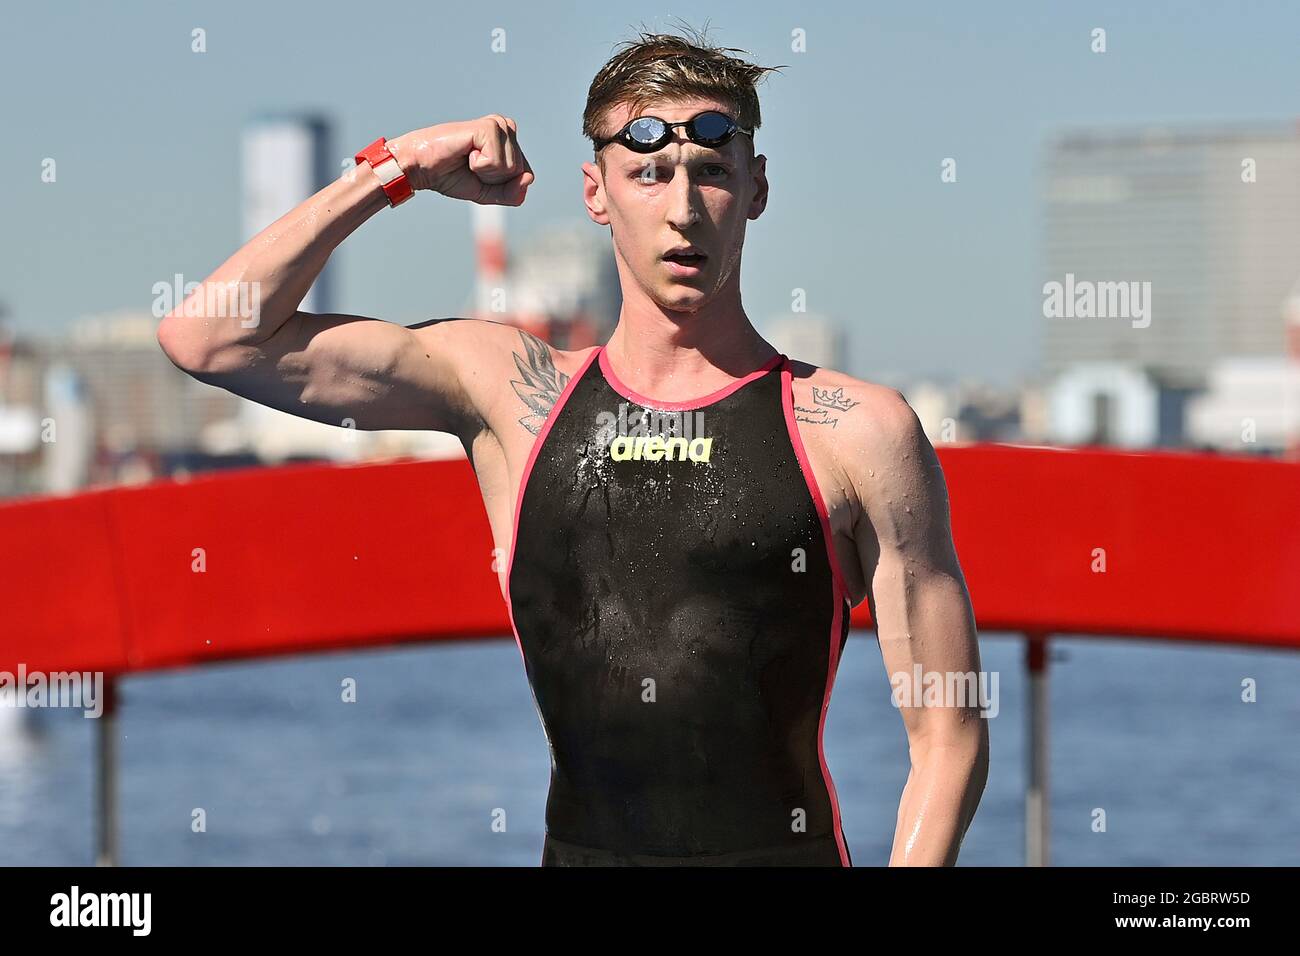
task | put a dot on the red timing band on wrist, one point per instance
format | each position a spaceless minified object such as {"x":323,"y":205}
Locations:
{"x":396,"y":186}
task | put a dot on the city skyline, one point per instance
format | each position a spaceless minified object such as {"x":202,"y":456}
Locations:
{"x":925,"y":277}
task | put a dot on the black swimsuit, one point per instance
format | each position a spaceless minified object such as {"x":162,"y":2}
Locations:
{"x":677,"y":602}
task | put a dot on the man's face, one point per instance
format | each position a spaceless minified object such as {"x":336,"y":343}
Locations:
{"x":683,"y":194}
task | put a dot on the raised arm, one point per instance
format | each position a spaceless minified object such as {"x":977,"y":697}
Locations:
{"x":923,"y":617}
{"x":241,"y":328}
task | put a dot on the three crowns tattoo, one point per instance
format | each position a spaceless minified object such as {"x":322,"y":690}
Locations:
{"x":828,"y":403}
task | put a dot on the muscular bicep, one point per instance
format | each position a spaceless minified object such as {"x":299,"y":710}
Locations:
{"x":359,"y":372}
{"x":918,"y":594}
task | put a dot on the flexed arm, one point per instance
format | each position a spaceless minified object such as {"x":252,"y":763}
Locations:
{"x":334,"y":367}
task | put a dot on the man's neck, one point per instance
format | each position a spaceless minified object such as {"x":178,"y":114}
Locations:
{"x":678,"y":356}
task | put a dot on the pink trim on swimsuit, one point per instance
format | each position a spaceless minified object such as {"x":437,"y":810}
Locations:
{"x":551,"y":416}
{"x":839,"y":590}
{"x":632,"y":395}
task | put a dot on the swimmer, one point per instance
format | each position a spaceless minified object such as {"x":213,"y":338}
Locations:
{"x":689,"y":514}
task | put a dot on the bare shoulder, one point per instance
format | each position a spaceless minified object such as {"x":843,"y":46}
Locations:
{"x":539,"y":373}
{"x":852,"y":412}
{"x":873,"y":440}
{"x":511,"y":376}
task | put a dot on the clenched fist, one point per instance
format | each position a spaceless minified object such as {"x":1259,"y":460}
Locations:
{"x":479,"y":160}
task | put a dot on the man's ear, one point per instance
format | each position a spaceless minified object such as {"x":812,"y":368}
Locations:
{"x":593,"y":193}
{"x":758,"y":171}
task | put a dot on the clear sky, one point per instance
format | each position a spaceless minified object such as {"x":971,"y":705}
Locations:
{"x":927,"y":277}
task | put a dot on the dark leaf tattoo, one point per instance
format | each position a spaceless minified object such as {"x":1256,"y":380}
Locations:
{"x":539,"y":384}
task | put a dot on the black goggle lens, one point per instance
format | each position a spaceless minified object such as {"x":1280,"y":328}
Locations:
{"x":712,"y":127}
{"x":709,"y":129}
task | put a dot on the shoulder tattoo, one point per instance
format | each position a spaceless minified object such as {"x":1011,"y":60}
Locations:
{"x":828,"y":406}
{"x":539,"y":384}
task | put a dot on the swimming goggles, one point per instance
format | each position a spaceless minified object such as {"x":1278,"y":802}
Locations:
{"x":645,"y":134}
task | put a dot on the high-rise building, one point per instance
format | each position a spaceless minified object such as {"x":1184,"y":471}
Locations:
{"x":1209,"y":217}
{"x":285,"y":159}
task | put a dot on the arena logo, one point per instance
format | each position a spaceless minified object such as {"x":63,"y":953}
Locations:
{"x":649,"y":434}
{"x":1084,"y":299}
{"x":656,"y":448}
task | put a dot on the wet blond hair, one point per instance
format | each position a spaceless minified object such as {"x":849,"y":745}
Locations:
{"x":660,"y":67}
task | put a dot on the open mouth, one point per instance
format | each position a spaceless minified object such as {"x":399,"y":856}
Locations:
{"x":685,"y":262}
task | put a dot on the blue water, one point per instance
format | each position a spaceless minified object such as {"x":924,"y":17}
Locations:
{"x":443,"y":739}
